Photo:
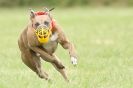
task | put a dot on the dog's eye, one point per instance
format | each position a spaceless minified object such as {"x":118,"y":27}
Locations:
{"x":37,"y":24}
{"x":46,"y":23}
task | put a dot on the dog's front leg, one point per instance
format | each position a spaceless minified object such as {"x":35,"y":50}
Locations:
{"x":45,"y":56}
{"x":69,"y":46}
{"x":63,"y":40}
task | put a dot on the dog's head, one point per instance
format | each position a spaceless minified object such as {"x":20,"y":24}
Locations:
{"x":42,"y":23}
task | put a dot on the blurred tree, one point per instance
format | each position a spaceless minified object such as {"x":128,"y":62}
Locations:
{"x":65,"y":3}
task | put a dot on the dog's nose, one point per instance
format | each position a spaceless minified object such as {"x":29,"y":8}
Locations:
{"x":42,"y":27}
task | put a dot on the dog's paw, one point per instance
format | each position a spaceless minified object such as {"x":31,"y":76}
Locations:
{"x":74,"y":61}
{"x":37,"y":54}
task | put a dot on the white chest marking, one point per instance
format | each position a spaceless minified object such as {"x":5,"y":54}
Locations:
{"x":52,"y":42}
{"x":54,"y":37}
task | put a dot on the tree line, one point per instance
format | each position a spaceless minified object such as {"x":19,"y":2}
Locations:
{"x":66,"y":3}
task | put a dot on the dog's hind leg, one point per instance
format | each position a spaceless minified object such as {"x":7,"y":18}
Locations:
{"x":62,"y":71}
{"x":33,"y":62}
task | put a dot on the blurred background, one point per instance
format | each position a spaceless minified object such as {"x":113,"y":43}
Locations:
{"x":101,"y":30}
{"x":65,"y":3}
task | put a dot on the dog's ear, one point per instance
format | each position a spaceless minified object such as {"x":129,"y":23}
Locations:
{"x":51,"y":9}
{"x":32,"y":14}
{"x":46,"y":10}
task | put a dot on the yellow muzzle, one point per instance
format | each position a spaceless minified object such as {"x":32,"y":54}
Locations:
{"x":43,"y":35}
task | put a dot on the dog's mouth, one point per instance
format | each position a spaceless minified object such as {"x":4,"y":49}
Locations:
{"x":43,"y":35}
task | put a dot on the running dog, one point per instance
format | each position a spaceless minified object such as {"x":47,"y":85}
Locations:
{"x":39,"y":40}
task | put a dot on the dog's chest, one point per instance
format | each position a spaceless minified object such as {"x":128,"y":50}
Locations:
{"x":52,"y":43}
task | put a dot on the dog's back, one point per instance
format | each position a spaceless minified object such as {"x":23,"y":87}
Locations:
{"x":22,"y":41}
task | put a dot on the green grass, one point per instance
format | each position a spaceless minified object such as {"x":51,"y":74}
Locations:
{"x":103,"y":38}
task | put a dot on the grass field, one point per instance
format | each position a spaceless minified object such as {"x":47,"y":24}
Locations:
{"x":103,"y":38}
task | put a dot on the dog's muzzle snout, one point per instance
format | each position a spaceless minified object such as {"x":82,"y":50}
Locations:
{"x":43,"y":33}
{"x":43,"y":27}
